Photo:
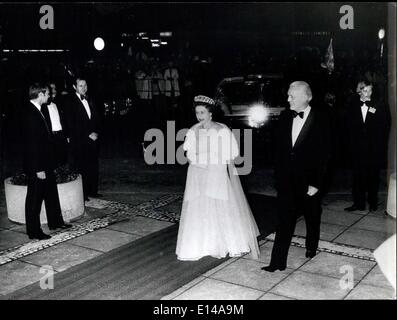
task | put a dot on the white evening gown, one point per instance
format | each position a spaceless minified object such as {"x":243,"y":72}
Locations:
{"x":216,"y":219}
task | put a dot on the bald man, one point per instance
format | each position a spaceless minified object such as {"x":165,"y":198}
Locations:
{"x":302,"y":152}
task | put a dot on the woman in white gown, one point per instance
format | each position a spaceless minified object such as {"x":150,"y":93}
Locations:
{"x":216,"y":219}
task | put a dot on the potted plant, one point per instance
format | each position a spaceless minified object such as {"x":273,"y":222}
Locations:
{"x":70,"y":190}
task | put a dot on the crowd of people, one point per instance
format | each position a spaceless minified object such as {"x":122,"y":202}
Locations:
{"x":56,"y":134}
{"x":63,"y":125}
{"x":216,"y":219}
{"x":152,"y":87}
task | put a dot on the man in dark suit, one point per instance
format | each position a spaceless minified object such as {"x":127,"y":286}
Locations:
{"x":302,"y":152}
{"x":39,"y":167}
{"x":368,"y":127}
{"x":83,"y":128}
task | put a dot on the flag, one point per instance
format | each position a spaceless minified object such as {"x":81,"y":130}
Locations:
{"x":329,"y":59}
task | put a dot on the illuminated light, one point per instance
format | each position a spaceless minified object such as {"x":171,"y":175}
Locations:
{"x":155,"y":45}
{"x":381,"y":33}
{"x":154,"y":40}
{"x":166,"y":34}
{"x":122,"y":44}
{"x":36,"y":50}
{"x":163,"y":43}
{"x":145,"y":38}
{"x":141,"y":34}
{"x":99,"y":44}
{"x":257,"y":116}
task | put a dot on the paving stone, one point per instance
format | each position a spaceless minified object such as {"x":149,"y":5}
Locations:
{"x":368,"y":292}
{"x":308,"y":286}
{"x":211,"y":289}
{"x":16,"y":275}
{"x":61,"y":256}
{"x":248,"y":273}
{"x":336,"y":266}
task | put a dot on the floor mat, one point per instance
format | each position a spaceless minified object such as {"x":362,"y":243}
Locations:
{"x":145,"y":269}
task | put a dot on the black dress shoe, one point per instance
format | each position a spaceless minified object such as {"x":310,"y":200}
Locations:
{"x":40,"y":236}
{"x":310,"y":254}
{"x":272,"y":268}
{"x":63,"y":226}
{"x":354,"y":208}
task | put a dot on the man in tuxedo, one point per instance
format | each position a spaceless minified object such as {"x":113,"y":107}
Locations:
{"x":39,"y":167}
{"x":83,"y":126}
{"x":368,"y":127}
{"x":302,"y":152}
{"x":56,"y":121}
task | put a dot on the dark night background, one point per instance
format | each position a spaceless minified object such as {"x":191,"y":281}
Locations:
{"x":209,"y":42}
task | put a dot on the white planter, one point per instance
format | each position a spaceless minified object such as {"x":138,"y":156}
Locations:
{"x":70,"y":197}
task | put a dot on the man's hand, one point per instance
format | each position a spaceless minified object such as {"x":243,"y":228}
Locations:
{"x":93,"y":136}
{"x":41,"y":175}
{"x":312,"y":191}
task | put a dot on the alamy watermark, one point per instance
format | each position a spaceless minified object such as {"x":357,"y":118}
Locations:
{"x":224,"y":148}
{"x":47,"y":281}
{"x":47,"y":20}
{"x":345,"y":22}
{"x":347,"y":280}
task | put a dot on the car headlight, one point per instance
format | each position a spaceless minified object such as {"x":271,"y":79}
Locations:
{"x":257,"y":116}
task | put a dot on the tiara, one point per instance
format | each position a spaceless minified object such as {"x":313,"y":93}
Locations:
{"x":204,"y":99}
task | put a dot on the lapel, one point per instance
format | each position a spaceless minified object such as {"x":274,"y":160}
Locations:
{"x":41,"y":116}
{"x":46,"y":114}
{"x":288,"y":131}
{"x":359,"y":115}
{"x":305,"y":129}
{"x":82,"y":108}
{"x":370,"y":116}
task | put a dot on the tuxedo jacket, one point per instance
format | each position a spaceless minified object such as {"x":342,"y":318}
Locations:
{"x":79,"y":125}
{"x":305,"y":163}
{"x":37,"y":137}
{"x":367,"y":140}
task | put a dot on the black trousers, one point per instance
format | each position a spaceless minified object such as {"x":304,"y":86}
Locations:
{"x":290,"y":207}
{"x":38,"y":191}
{"x":60,"y":147}
{"x":365,"y":183}
{"x":85,"y":161}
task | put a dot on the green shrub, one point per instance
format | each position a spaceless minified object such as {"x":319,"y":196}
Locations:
{"x":63,"y":174}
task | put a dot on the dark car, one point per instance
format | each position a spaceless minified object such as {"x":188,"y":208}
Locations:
{"x":253,"y":102}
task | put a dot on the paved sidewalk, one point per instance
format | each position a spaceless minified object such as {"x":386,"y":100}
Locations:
{"x":347,"y":243}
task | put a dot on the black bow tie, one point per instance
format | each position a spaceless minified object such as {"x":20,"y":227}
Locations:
{"x":83,"y":97}
{"x":300,"y":114}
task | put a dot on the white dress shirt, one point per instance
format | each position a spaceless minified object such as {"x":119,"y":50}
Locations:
{"x":297,"y":124}
{"x":86,"y":106}
{"x":54,"y":116}
{"x":364,"y":111}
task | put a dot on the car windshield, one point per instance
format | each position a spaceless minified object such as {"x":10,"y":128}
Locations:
{"x":249,"y":92}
